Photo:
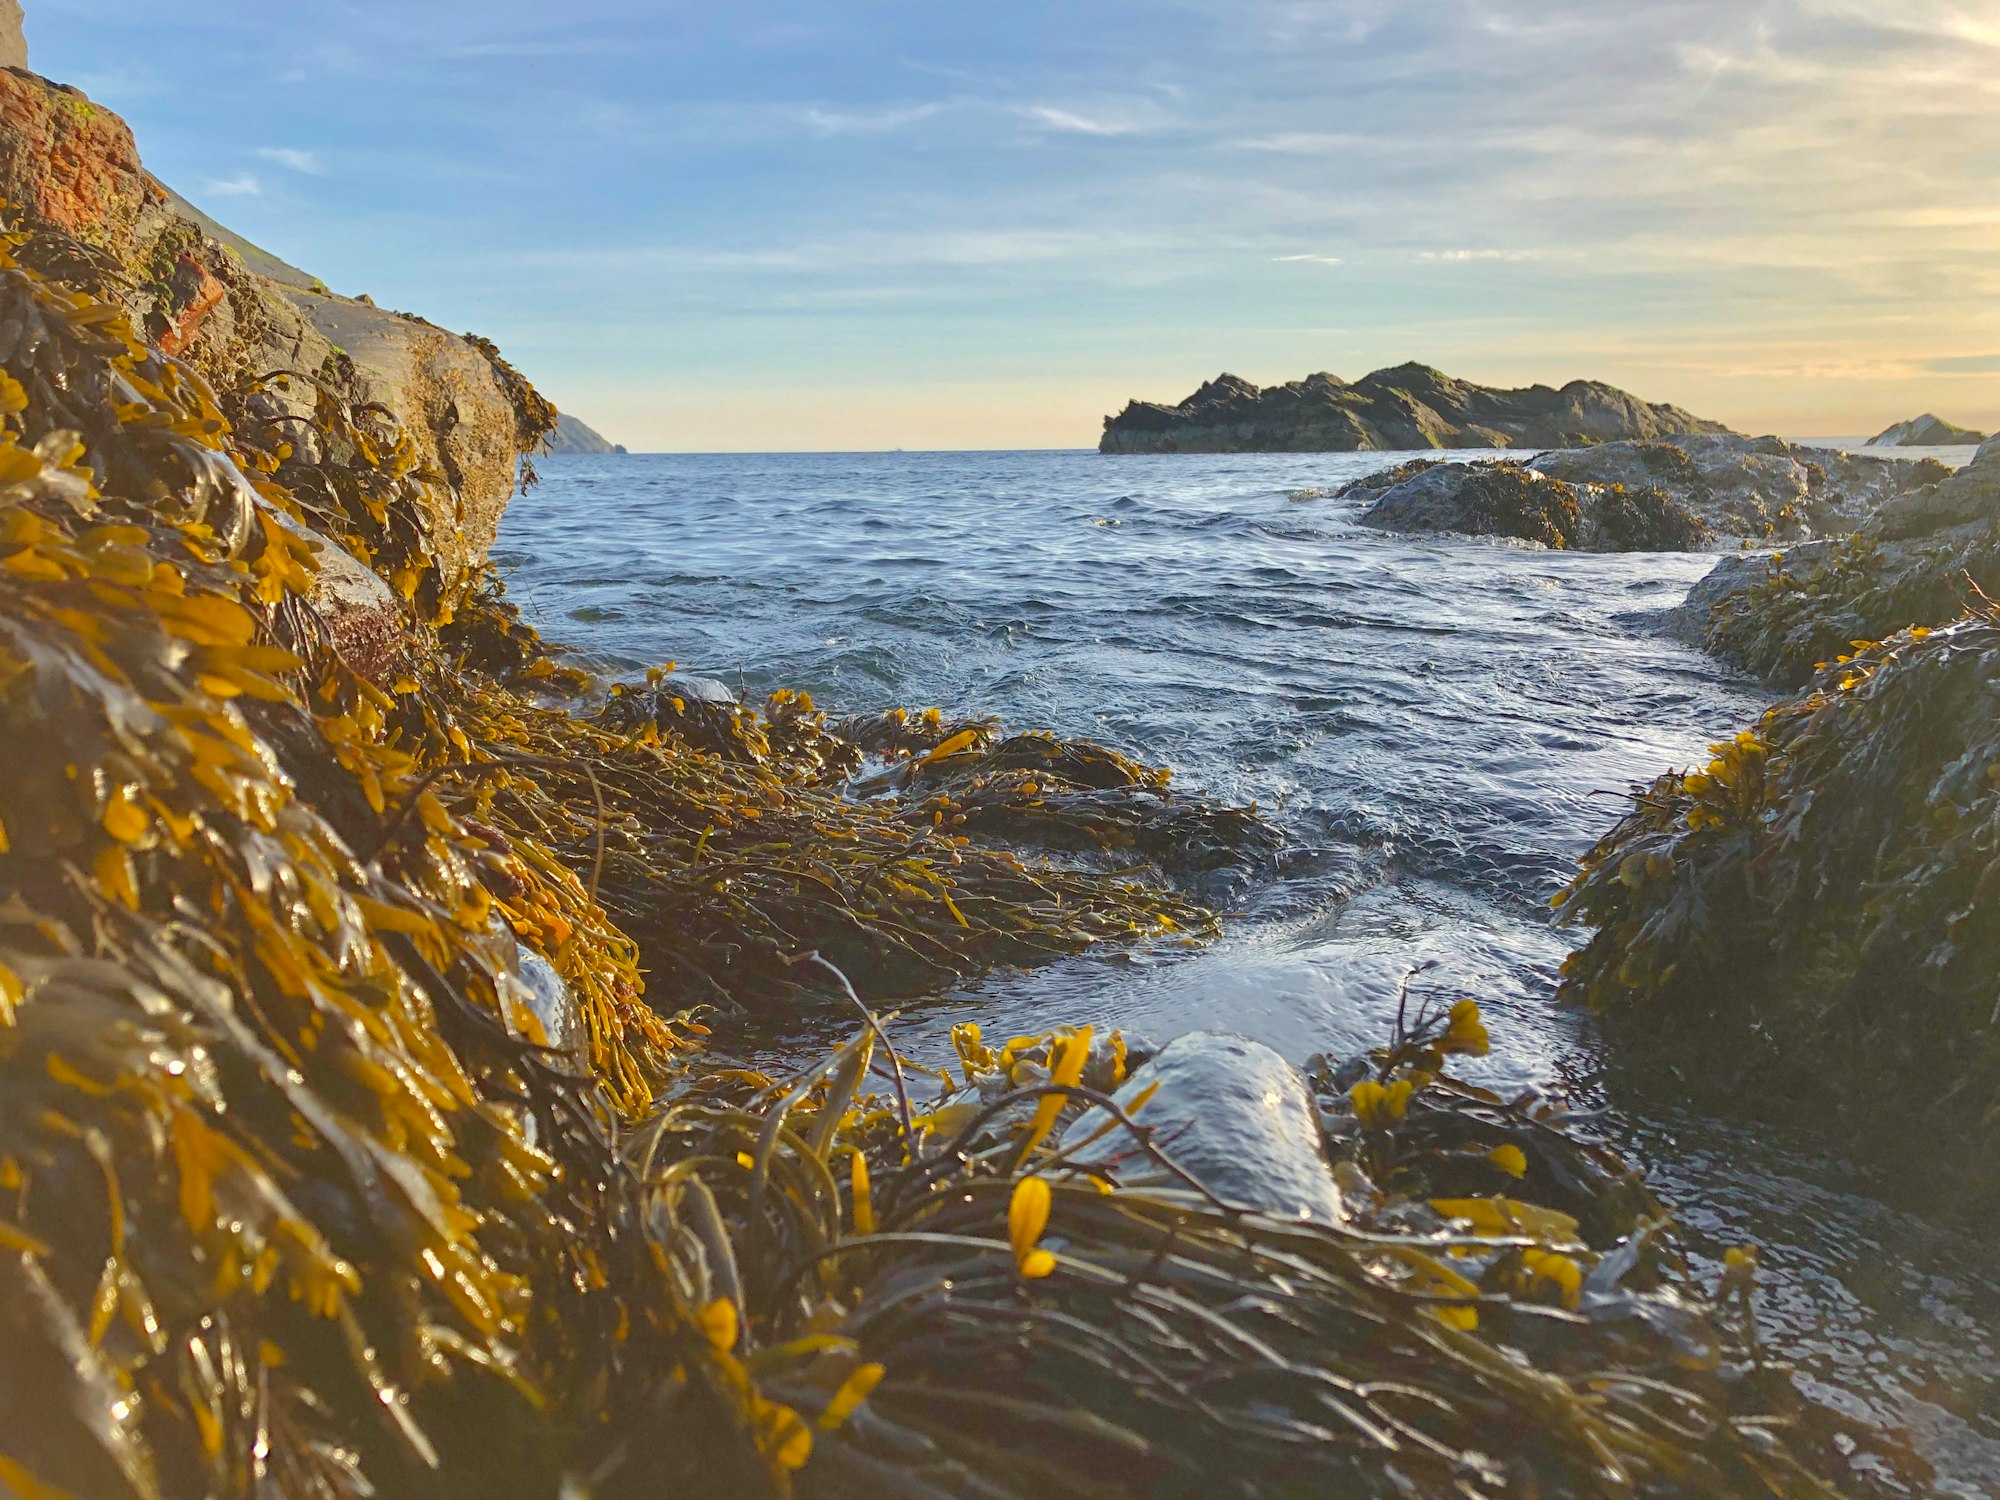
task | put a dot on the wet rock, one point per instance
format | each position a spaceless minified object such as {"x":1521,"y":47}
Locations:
{"x":1487,"y":499}
{"x":1410,"y":406}
{"x":1654,"y":496}
{"x":549,"y":997}
{"x":1233,"y":1114}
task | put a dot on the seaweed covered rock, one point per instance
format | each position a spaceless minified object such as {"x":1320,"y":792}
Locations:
{"x":342,"y":1153}
{"x":1804,"y":927}
{"x":1484,"y":499}
{"x":1918,"y":560}
{"x":1652,"y":496}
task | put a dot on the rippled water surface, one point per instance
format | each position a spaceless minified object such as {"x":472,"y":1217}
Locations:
{"x":1437,"y":725}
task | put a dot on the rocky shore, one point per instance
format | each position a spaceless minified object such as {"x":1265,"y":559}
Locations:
{"x":377,"y":1115}
{"x":1409,"y":407}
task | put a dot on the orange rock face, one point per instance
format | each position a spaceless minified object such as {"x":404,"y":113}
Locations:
{"x":64,"y":160}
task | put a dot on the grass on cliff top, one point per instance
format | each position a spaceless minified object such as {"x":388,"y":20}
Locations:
{"x":297,"y":1196}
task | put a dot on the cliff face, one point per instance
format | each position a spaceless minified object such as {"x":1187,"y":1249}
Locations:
{"x":1410,"y":406}
{"x":232,"y":311}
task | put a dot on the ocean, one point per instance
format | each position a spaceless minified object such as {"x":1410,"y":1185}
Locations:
{"x":1439,"y":725}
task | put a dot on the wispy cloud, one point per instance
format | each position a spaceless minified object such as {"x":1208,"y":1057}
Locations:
{"x":1965,"y":364}
{"x":298,"y":161}
{"x":869,"y":121}
{"x":1316,"y":260}
{"x":1078,"y":124}
{"x":1454,"y":257}
{"x":242,"y":185}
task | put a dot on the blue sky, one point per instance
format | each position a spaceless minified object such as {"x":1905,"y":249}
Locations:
{"x":848,"y":224}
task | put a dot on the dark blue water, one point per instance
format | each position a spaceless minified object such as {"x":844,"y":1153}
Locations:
{"x":1439,"y":726}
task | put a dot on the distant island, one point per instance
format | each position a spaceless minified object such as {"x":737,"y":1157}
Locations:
{"x":1927,"y":431}
{"x":573,"y":435}
{"x":1410,"y":406}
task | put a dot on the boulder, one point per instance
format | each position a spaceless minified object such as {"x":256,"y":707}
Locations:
{"x":1231,"y":1113}
{"x":1408,"y":407}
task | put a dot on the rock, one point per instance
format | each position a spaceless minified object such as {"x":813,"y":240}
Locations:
{"x":1652,"y":496}
{"x":572,"y":435}
{"x":1410,"y":406}
{"x":13,"y":39}
{"x":1917,"y":561}
{"x":1231,"y":1113}
{"x":1484,"y":499}
{"x":1927,"y":431}
{"x":231,"y":309}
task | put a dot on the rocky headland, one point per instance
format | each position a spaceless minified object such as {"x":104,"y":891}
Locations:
{"x":1409,"y":407}
{"x":1927,"y":431}
{"x":573,"y":435}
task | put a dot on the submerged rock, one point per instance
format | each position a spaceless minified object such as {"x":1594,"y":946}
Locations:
{"x":1230,"y":1112}
{"x":1410,"y":406}
{"x":1927,"y":431}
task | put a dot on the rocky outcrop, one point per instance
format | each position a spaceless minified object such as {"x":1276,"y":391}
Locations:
{"x":1643,"y":497}
{"x":232,"y":310}
{"x":1927,"y":431}
{"x":1920,"y":559}
{"x":573,"y":435}
{"x":1409,"y":407}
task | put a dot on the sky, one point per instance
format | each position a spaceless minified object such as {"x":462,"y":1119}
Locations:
{"x":868,"y":224}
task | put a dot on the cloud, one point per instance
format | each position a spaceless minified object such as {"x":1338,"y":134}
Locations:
{"x":868,"y":121}
{"x":298,"y":161}
{"x":1430,"y":257}
{"x":242,"y":185}
{"x":1965,"y":364}
{"x":1317,"y":260}
{"x":1076,"y":124}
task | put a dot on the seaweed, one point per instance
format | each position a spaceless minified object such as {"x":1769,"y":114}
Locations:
{"x":1648,"y":519}
{"x":1803,"y":925}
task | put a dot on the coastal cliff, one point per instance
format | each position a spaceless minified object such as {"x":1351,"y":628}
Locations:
{"x":1409,"y":407}
{"x":574,"y":435}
